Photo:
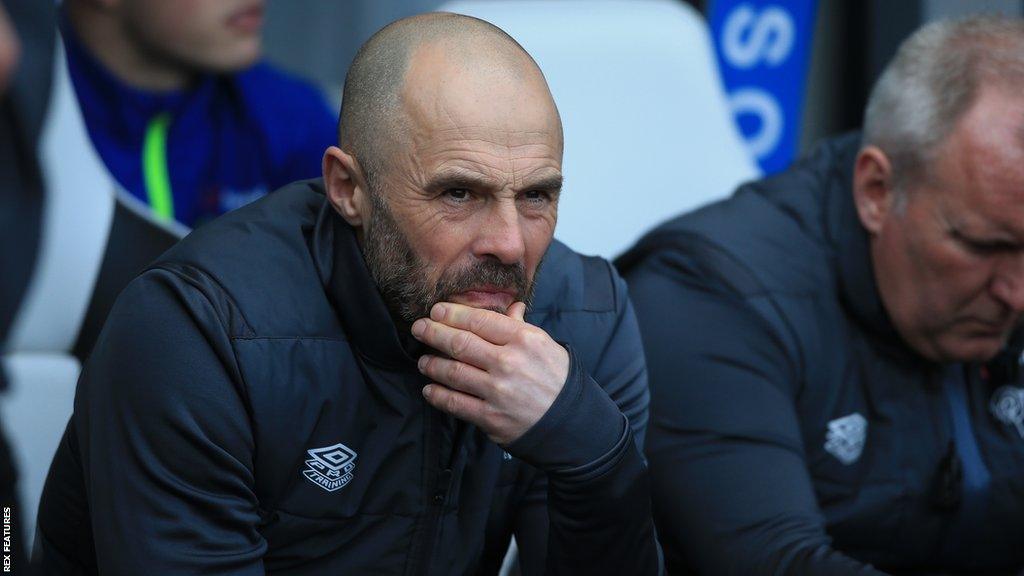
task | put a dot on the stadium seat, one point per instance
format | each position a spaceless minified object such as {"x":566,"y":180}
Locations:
{"x":94,"y":239}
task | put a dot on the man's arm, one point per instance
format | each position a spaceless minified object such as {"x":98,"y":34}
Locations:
{"x":165,"y":438}
{"x":596,"y":515}
{"x":590,"y":511}
{"x":732,"y":493}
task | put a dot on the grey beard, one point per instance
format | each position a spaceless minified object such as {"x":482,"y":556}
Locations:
{"x":402,"y":278}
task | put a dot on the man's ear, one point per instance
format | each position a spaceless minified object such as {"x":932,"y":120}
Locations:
{"x":873,"y":191}
{"x":346,"y":186}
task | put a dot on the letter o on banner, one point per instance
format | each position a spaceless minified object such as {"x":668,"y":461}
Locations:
{"x":757,"y":102}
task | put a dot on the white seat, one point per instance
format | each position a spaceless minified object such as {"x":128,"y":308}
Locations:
{"x":35,"y":411}
{"x":647,"y":131}
{"x":82,"y":208}
{"x":77,"y":215}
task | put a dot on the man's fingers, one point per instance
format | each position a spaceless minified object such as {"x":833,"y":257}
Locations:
{"x":455,"y":374}
{"x":495,"y":328}
{"x":461,"y":345}
{"x":458,"y":404}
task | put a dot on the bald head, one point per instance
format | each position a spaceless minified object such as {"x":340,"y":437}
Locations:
{"x":429,"y":65}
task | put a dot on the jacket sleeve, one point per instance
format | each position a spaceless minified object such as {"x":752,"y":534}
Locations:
{"x":732,"y":492}
{"x":592,"y":499}
{"x":166,"y":444}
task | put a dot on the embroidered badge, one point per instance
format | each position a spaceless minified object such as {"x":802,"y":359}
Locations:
{"x":845,"y":437}
{"x":330,"y":467}
{"x":1007,"y":405}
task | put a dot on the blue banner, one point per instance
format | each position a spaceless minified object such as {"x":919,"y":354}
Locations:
{"x":763,"y":49}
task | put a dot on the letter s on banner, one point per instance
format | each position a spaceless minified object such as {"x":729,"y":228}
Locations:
{"x":763,"y":52}
{"x":770,"y":36}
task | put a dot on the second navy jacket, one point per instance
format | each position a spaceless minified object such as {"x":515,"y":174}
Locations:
{"x":792,"y":430}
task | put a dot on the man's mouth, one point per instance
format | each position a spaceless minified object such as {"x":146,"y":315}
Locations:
{"x":994,"y":328}
{"x":490,"y":297}
{"x":249,"y":19}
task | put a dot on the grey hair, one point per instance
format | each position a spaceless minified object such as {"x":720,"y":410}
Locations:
{"x":932,"y":81}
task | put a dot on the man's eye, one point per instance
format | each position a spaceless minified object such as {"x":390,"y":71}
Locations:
{"x":457,"y":194}
{"x":984,"y":248}
{"x":980,"y":247}
{"x":990,"y":247}
{"x":537,"y":196}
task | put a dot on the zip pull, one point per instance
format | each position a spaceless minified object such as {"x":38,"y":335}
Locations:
{"x":444,"y":483}
{"x":947,"y":484}
{"x":154,"y":167}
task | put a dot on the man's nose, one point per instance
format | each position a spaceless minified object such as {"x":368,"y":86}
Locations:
{"x":1008,"y":285}
{"x":501,"y":234}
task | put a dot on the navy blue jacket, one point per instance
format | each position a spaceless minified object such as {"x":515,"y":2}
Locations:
{"x":792,"y":431}
{"x":250,"y":406}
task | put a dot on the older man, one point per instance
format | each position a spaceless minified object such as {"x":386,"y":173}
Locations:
{"x":339,"y":379}
{"x":828,"y":390}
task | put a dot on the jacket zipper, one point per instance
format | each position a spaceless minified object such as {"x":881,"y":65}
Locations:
{"x":427,"y":531}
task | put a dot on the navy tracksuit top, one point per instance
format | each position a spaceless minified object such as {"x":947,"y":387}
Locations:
{"x":792,"y":431}
{"x":250,"y":406}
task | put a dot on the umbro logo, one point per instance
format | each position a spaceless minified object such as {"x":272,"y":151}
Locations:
{"x":330,"y":467}
{"x":1007,"y":405}
{"x":845,"y":437}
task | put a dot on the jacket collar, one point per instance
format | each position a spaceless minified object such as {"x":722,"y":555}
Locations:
{"x":354,"y":295}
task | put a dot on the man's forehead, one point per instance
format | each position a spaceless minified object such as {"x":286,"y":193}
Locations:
{"x":491,"y":160}
{"x":447,"y":137}
{"x":445,"y":89}
{"x":981,"y":167}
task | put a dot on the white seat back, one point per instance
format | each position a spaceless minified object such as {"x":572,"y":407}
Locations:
{"x":35,"y":411}
{"x":77,"y":216}
{"x":77,"y":213}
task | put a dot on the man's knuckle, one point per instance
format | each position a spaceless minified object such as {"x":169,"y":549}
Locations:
{"x":453,"y":404}
{"x":456,"y":371}
{"x":534,"y":338}
{"x":477,"y":323}
{"x":505,"y":362}
{"x":522,"y":337}
{"x":430,"y":331}
{"x":490,"y":416}
{"x":500,"y":389}
{"x":460,"y":344}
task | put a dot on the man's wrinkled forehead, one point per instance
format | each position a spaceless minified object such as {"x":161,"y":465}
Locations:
{"x":457,"y":86}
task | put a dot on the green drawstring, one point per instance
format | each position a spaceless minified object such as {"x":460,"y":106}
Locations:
{"x":154,"y":167}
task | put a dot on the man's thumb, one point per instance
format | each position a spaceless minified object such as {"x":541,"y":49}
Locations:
{"x":517,"y":311}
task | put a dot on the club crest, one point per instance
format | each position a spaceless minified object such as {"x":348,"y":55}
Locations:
{"x":845,"y":437}
{"x":1007,"y":405}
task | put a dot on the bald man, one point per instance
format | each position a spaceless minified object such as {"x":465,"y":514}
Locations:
{"x":373,"y":373}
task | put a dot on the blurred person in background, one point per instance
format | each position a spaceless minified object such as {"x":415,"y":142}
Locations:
{"x":834,"y":351}
{"x":181,"y":110}
{"x":344,"y":377}
{"x":26,"y":61}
